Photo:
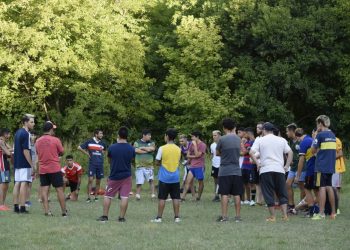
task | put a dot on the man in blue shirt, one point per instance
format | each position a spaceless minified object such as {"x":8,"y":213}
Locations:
{"x":94,"y":149}
{"x":324,"y":146}
{"x":120,"y":156}
{"x":23,"y":164}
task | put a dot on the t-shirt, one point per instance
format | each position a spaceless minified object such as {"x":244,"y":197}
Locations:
{"x":144,"y":160}
{"x":339,"y":163}
{"x":48,"y":149}
{"x":121,"y":155}
{"x":229,"y":147}
{"x":73,"y":173}
{"x":294,"y":145}
{"x":271,"y":149}
{"x":247,"y":162}
{"x":184,"y":150}
{"x":170,"y":156}
{"x":198,"y":162}
{"x":95,"y":149}
{"x":215,"y":161}
{"x":33,"y":153}
{"x":305,"y":150}
{"x":325,"y":158}
{"x":22,"y":142}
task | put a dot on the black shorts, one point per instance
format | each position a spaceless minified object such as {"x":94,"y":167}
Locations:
{"x":214,"y":172}
{"x":250,"y":176}
{"x":73,"y":186}
{"x":274,"y":184}
{"x":310,"y":182}
{"x":323,"y":180}
{"x":54,"y":179}
{"x":231,"y":184}
{"x":164,"y":189}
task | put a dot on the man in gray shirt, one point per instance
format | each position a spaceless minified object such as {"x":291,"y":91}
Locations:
{"x":230,"y":176}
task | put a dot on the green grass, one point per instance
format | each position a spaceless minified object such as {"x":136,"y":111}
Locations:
{"x":198,"y":229}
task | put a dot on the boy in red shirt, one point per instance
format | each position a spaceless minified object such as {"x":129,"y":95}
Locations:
{"x":72,"y":176}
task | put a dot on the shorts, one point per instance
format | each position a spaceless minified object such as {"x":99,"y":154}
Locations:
{"x":186,"y":170}
{"x":164,"y":189}
{"x":231,"y":184}
{"x":142,"y":174}
{"x":250,"y":176}
{"x":73,"y":186}
{"x":293,"y":174}
{"x":23,"y":175}
{"x":123,"y":187}
{"x":310,"y":182}
{"x":5,"y":176}
{"x":336,"y":180}
{"x":274,"y":184}
{"x":96,"y":171}
{"x":214,"y":172}
{"x":54,"y":179}
{"x":323,"y":180}
{"x":198,"y":173}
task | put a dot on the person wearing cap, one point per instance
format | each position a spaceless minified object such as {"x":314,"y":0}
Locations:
{"x":49,"y":148}
{"x":271,"y":167}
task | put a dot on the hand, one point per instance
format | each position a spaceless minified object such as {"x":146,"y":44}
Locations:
{"x":194,"y":142}
{"x":296,"y":179}
{"x":258,"y":166}
{"x":286,"y":168}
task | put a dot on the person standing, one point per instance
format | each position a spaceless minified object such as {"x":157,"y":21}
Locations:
{"x":120,"y":156}
{"x":271,"y":167}
{"x":5,"y":176}
{"x":23,"y":165}
{"x":215,"y":163}
{"x":259,"y":196}
{"x":339,"y":169}
{"x":49,"y":148}
{"x":94,"y":149}
{"x":185,"y":145}
{"x":230,"y":175}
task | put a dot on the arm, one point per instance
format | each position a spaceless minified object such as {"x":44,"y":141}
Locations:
{"x":197,"y":153}
{"x":140,"y":151}
{"x":252,"y":154}
{"x":339,"y":153}
{"x":289,"y":160}
{"x":28,"y":157}
{"x":300,"y":167}
{"x":84,"y":151}
{"x":4,"y":148}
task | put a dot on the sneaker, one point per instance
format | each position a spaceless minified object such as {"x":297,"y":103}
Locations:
{"x":28,"y":204}
{"x":88,"y":200}
{"x":157,"y":220}
{"x":138,"y":197}
{"x":232,"y":202}
{"x":216,"y":199}
{"x":177,"y":220}
{"x":121,"y":219}
{"x":338,"y":211}
{"x":103,"y":218}
{"x":4,"y":208}
{"x":222,"y":219}
{"x":246,"y":202}
{"x":23,"y":211}
{"x":238,"y":219}
{"x":49,"y":214}
{"x":96,"y":199}
{"x":271,"y":219}
{"x":318,"y":217}
{"x":285,"y":218}
{"x":65,"y":214}
{"x":16,"y":208}
{"x":292,"y":211}
{"x":153,"y":196}
{"x":252,"y":203}
{"x":332,"y":216}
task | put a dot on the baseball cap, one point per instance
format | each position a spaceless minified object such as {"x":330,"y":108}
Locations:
{"x":48,"y":125}
{"x":268,"y":126}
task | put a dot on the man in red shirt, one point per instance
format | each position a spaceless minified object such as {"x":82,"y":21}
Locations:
{"x":49,"y":148}
{"x":72,"y":177}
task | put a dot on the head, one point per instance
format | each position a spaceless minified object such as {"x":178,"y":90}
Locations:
{"x":98,"y":133}
{"x":259,"y":128}
{"x":277,"y":132}
{"x":28,"y":121}
{"x":123,"y":133}
{"x":290,"y":130}
{"x":268,"y":128}
{"x":241,"y":132}
{"x":196,"y":136}
{"x":216,"y":135}
{"x":146,"y":135}
{"x":229,"y":125}
{"x":49,"y":128}
{"x":249,"y":133}
{"x":5,"y":133}
{"x":170,"y":135}
{"x":183,"y":140}
{"x":69,"y":160}
{"x":314,"y":133}
{"x":323,"y":122}
{"x":299,"y":133}
{"x":33,"y":137}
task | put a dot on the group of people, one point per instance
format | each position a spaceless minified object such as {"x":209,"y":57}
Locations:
{"x":246,"y":168}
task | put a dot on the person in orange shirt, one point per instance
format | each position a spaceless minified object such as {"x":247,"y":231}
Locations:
{"x":339,"y":168}
{"x":72,"y":173}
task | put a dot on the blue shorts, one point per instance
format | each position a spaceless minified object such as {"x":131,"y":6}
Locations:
{"x":96,"y":171}
{"x":5,"y":176}
{"x":198,"y":173}
{"x":293,"y":174}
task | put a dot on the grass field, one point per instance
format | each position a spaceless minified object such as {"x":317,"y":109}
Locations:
{"x":198,"y":229}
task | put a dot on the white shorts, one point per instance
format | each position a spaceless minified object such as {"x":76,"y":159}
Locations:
{"x":143,"y":174}
{"x":336,"y":180}
{"x":23,"y":175}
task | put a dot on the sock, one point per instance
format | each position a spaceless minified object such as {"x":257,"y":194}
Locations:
{"x":22,"y":209}
{"x":311,"y":210}
{"x":16,"y":208}
{"x":253,"y":194}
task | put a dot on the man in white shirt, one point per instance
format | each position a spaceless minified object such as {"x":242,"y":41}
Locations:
{"x":215,"y":163}
{"x":272,"y":169}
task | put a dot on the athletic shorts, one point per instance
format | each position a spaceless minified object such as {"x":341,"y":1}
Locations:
{"x":250,"y":176}
{"x":336,"y":180}
{"x":123,"y":187}
{"x":214,"y":172}
{"x":323,"y":180}
{"x":198,"y":173}
{"x":231,"y":184}
{"x":23,"y":175}
{"x":54,"y":179}
{"x":310,"y":182}
{"x":143,"y":174}
{"x":73,"y":186}
{"x":293,"y":174}
{"x":5,"y":176}
{"x":96,"y":171}
{"x":274,"y":184}
{"x":166,"y":189}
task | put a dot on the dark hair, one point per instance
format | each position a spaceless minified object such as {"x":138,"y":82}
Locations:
{"x":47,"y":126}
{"x":171,"y":133}
{"x":240,"y":129}
{"x":276,"y":131}
{"x":292,"y":127}
{"x":4,"y":131}
{"x":146,"y":132}
{"x":69,"y":157}
{"x":123,"y":133}
{"x":26,"y":118}
{"x":249,"y":130}
{"x":98,"y":130}
{"x":299,"y":132}
{"x":228,"y":123}
{"x":197,"y":134}
{"x":260,"y":123}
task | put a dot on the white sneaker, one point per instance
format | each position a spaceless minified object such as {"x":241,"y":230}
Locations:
{"x":177,"y":220}
{"x":153,"y":196}
{"x":138,"y":196}
{"x":246,"y":202}
{"x":157,"y":220}
{"x":252,"y":203}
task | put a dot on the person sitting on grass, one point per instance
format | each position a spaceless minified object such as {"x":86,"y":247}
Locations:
{"x":72,"y":173}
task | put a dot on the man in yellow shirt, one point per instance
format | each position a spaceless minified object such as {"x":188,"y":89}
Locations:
{"x":339,"y":168}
